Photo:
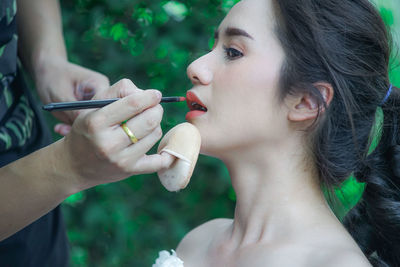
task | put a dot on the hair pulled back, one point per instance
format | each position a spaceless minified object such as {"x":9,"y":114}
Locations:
{"x":345,"y":43}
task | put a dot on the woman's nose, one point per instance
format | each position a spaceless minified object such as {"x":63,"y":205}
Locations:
{"x":199,"y":71}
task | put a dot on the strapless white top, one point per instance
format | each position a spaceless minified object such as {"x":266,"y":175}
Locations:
{"x":168,"y":260}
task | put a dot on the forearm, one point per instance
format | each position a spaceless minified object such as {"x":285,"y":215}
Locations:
{"x":40,"y":32}
{"x":31,"y":187}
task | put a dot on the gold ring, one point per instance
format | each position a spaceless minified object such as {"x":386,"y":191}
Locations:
{"x":129,"y":133}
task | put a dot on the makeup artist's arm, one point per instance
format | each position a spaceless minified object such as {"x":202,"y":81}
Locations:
{"x":43,"y":52}
{"x":96,"y":151}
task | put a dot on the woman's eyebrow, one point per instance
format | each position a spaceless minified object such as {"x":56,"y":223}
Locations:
{"x":233,"y":32}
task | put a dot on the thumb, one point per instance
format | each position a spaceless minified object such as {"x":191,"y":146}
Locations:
{"x":86,"y":89}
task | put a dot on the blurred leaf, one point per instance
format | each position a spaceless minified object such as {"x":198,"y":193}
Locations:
{"x":75,"y":199}
{"x":178,"y":11}
{"x":119,"y":32}
{"x":79,"y":256}
{"x":228,"y":4}
{"x":144,"y":16}
{"x":387,"y":16}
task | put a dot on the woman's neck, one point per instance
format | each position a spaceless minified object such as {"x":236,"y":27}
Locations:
{"x":277,"y":195}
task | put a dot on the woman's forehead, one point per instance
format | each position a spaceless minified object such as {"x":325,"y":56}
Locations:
{"x":256,"y":17}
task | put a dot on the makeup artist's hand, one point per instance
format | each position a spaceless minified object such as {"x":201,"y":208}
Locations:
{"x":58,"y":80}
{"x":97,"y":150}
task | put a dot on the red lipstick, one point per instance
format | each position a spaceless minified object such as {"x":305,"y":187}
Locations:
{"x":197,"y":108}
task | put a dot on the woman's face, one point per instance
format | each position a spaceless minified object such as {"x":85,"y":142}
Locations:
{"x":237,"y":82}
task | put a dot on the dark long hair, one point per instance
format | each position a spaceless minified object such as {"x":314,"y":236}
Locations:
{"x":345,"y":43}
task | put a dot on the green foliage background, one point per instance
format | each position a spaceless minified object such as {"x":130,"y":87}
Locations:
{"x":151,"y":43}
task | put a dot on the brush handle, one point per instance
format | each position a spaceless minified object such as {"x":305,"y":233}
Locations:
{"x":86,"y":104}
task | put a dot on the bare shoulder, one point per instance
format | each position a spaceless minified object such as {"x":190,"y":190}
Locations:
{"x":333,"y":247}
{"x":340,"y":257}
{"x":322,"y":249}
{"x":201,"y":236}
{"x":346,"y":258}
{"x":308,"y":255}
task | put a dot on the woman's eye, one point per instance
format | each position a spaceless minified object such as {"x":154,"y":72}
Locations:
{"x":232,"y":53}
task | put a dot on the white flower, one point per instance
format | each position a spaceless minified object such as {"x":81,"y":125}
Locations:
{"x":168,"y":260}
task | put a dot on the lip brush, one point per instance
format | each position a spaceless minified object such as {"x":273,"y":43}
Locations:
{"x":85,"y":104}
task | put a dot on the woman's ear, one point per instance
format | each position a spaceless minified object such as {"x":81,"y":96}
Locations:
{"x":304,"y":106}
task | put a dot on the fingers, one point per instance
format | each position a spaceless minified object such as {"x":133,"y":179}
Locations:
{"x":62,"y":129}
{"x":67,"y":117}
{"x":88,"y":87}
{"x":63,"y":92}
{"x":102,"y":128}
{"x":100,"y":82}
{"x":135,"y":159}
{"x":120,"y":89}
{"x":76,"y":83}
{"x":129,"y":106}
{"x":90,"y":84}
{"x":145,"y":127}
{"x":84,"y":91}
{"x":144,"y":144}
{"x":153,"y":163}
{"x":141,"y":125}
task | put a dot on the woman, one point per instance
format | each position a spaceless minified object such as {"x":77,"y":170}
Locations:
{"x":290,"y":91}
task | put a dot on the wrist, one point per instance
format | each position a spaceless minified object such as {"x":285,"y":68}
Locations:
{"x":44,"y":174}
{"x":67,"y":177}
{"x":44,"y":61}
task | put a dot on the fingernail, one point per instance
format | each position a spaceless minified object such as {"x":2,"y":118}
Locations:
{"x":159,"y":95}
{"x":66,"y":131}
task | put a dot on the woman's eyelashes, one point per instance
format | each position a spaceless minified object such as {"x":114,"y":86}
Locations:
{"x":232,"y":53}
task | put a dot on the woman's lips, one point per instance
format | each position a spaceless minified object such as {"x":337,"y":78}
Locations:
{"x":193,"y":114}
{"x":197,"y":108}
